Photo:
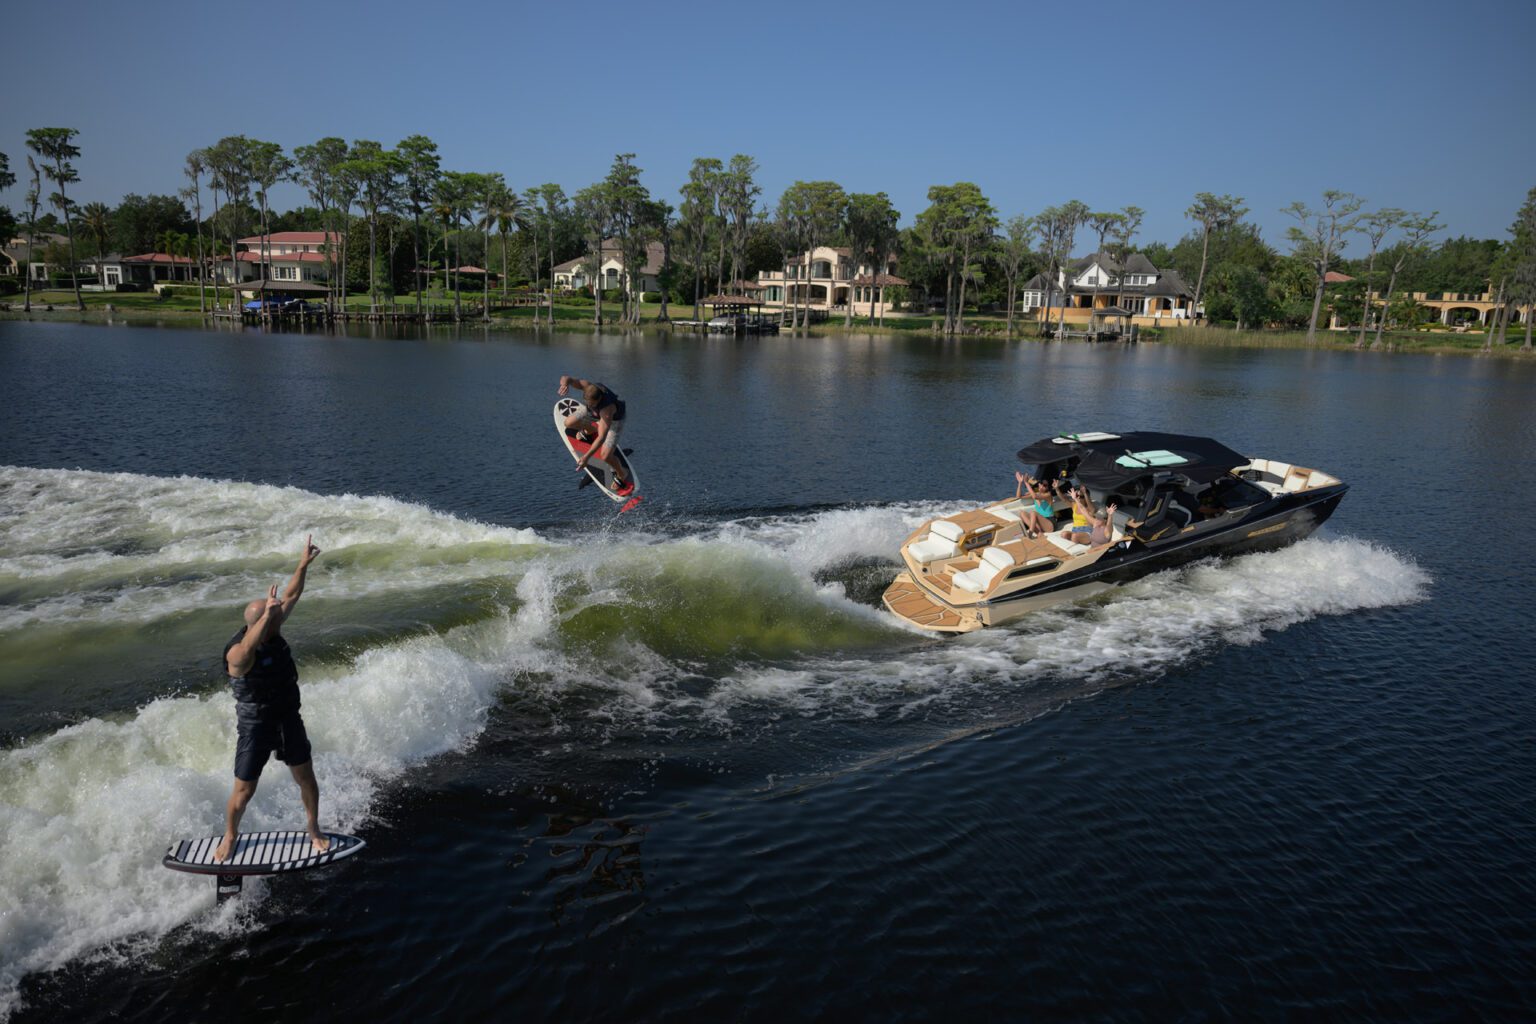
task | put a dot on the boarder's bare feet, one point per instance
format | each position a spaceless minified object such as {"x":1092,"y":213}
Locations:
{"x":320,"y":842}
{"x":221,"y":854}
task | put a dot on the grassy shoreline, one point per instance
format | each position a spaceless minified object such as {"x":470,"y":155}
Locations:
{"x":148,"y":308}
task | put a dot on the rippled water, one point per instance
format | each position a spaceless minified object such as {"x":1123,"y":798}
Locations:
{"x":680,"y":762}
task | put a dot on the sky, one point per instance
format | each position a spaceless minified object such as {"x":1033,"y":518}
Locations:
{"x":1411,"y":104}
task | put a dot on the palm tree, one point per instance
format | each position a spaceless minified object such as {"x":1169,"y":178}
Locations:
{"x":420,"y":169}
{"x":490,"y":192}
{"x":97,"y":219}
{"x":267,"y":165}
{"x":194,"y":191}
{"x":505,"y":211}
{"x":445,"y":209}
{"x":552,"y":212}
{"x":228,"y":168}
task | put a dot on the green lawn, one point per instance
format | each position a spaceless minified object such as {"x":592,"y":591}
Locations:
{"x":183,"y":303}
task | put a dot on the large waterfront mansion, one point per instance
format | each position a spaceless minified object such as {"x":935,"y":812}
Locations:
{"x":1103,"y":286}
{"x":827,"y":278}
{"x":288,"y":255}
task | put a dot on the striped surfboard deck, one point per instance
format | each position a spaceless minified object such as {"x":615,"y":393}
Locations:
{"x":256,"y":853}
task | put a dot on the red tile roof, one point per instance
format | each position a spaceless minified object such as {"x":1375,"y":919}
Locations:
{"x":157,"y":257}
{"x":1334,"y":277}
{"x":251,"y":256}
{"x":294,"y":238}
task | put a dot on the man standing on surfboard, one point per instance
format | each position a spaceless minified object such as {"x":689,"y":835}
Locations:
{"x":604,"y":419}
{"x":266,"y":684}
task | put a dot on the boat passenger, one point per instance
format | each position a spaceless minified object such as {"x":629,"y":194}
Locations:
{"x":1103,"y":530}
{"x":1038,"y":518}
{"x":1083,"y":514}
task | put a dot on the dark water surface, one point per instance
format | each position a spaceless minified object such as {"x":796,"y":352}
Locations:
{"x":679,"y":764}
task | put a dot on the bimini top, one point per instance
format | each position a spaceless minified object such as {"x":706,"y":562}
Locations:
{"x":1106,"y":461}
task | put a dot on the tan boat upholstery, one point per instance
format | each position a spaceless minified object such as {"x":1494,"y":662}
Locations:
{"x":993,"y":561}
{"x":1297,"y":479}
{"x":943,"y":541}
{"x":1070,"y":547}
{"x":1008,"y":511}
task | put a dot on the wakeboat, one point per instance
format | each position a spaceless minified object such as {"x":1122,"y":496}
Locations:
{"x":1179,"y":498}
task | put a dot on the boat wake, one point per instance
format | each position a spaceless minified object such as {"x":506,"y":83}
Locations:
{"x":117,"y":591}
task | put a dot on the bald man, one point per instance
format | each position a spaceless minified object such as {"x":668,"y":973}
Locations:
{"x":266,"y":685}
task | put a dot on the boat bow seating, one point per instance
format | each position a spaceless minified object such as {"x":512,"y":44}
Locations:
{"x":943,"y":541}
{"x":993,"y":561}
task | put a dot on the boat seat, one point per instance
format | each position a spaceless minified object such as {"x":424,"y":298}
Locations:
{"x":1296,"y":480}
{"x":1070,"y":547}
{"x":943,"y":541}
{"x":993,"y":561}
{"x":1008,"y":511}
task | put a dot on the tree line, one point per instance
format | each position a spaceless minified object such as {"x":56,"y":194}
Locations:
{"x":403,"y":217}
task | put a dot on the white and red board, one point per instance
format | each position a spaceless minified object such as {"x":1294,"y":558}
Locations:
{"x":600,"y":471}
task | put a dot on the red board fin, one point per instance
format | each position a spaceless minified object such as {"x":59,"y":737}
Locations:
{"x":630,"y":504}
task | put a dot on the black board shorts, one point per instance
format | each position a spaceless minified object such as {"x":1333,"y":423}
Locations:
{"x":259,"y":739}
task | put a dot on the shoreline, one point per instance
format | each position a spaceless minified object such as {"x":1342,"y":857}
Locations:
{"x":1398,"y":344}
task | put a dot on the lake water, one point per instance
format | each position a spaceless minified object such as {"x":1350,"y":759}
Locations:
{"x":680,"y":764}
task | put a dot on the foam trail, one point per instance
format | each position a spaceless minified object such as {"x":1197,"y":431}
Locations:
{"x":81,"y":548}
{"x":86,"y":812}
{"x":1151,"y":624}
{"x":701,"y":631}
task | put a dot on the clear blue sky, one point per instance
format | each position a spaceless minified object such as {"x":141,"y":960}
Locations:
{"x":1422,"y":105}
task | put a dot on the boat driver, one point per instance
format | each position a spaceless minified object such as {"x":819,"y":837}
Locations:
{"x":601,"y":423}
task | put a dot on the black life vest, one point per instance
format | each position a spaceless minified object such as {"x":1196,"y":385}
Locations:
{"x":270,"y":687}
{"x":606,"y":399}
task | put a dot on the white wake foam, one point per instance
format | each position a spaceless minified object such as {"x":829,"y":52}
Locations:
{"x":86,"y":812}
{"x":1143,"y":627}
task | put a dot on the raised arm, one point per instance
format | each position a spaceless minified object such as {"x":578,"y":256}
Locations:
{"x":295,"y":586}
{"x":1018,"y":492}
{"x":238,"y":661}
{"x":1084,"y":503}
{"x":566,"y":380}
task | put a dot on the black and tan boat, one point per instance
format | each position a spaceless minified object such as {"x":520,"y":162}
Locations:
{"x":1180,"y":498}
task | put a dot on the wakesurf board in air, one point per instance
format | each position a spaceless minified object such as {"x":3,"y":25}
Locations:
{"x":256,"y":853}
{"x":600,"y":472}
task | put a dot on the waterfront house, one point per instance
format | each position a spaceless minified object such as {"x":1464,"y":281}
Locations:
{"x":1143,"y":293}
{"x":15,"y":255}
{"x":827,"y":278}
{"x":572,"y":275}
{"x":289,"y":256}
{"x":148,"y":269}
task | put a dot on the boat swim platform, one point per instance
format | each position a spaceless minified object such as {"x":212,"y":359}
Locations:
{"x":907,"y":600}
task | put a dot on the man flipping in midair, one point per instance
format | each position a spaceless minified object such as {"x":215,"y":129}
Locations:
{"x":603,"y":419}
{"x":266,"y":685}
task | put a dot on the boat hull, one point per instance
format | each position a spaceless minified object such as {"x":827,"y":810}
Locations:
{"x":1272,"y":525}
